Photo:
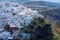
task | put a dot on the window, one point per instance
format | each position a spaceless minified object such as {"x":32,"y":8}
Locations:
{"x":14,"y":14}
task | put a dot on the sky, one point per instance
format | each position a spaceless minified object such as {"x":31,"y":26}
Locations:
{"x":58,"y":1}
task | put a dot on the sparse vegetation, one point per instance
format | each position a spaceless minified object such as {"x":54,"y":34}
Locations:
{"x":40,"y":29}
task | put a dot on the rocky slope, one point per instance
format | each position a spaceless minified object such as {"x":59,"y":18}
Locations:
{"x":51,"y":11}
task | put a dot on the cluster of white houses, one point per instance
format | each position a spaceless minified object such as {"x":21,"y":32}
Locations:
{"x":13,"y":17}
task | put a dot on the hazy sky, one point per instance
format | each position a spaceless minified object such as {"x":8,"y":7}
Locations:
{"x":58,"y":1}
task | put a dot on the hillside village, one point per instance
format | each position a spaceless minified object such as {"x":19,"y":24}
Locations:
{"x":13,"y":17}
